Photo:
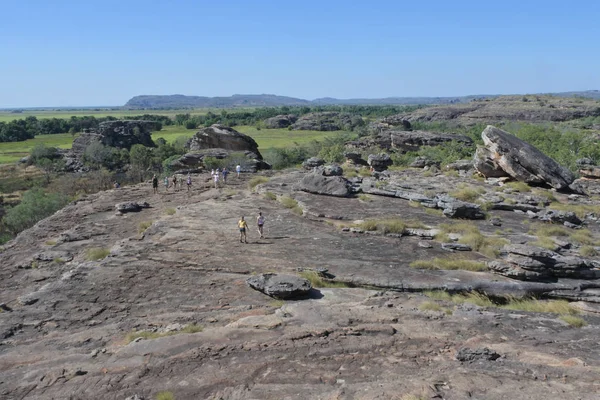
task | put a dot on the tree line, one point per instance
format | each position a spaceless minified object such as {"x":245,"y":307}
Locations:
{"x":22,"y":129}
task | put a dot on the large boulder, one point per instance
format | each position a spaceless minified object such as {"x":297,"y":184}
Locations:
{"x":520,"y":160}
{"x":317,"y":183}
{"x":280,"y":286}
{"x":280,"y":121}
{"x":379,"y":162}
{"x":312,"y":162}
{"x":124,"y":134}
{"x":327,"y":121}
{"x":248,"y":161}
{"x":222,"y":137}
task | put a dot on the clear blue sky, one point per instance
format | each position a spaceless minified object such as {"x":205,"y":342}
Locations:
{"x":87,"y":52}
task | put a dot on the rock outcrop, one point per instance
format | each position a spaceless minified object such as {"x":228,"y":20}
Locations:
{"x":318,"y":183}
{"x":221,"y":142}
{"x":280,"y":121}
{"x":379,"y":162}
{"x":312,"y":162}
{"x":413,"y":140}
{"x":327,"y":121}
{"x":520,"y":160}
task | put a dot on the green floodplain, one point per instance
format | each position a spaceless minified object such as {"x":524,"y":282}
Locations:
{"x":266,"y":138}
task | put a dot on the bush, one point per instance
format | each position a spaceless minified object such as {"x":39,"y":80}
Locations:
{"x":96,"y":253}
{"x":574,"y":321}
{"x":34,"y":206}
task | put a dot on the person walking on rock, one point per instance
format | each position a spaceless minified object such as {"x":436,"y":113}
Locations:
{"x":166,"y":183}
{"x":216,"y":178}
{"x":189,"y":182}
{"x":238,"y":169}
{"x":175,"y":182}
{"x":225,"y":173}
{"x":155,"y":184}
{"x":260,"y":222}
{"x":243,"y":226}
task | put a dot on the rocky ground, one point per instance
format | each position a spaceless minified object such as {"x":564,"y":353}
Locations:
{"x":168,"y":310}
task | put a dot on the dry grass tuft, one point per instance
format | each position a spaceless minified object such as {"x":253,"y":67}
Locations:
{"x":576,"y":322}
{"x":449,"y":264}
{"x":96,"y":253}
{"x":521,"y":187}
{"x":292,"y":204}
{"x":318,"y":281}
{"x":270,"y":196}
{"x":143,"y":226}
{"x":257,"y":180}
{"x":170,"y":211}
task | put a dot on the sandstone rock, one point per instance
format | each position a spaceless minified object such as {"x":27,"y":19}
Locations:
{"x":398,"y":121}
{"x":327,"y":185}
{"x":332,"y":170}
{"x":280,"y":286}
{"x":280,"y":121}
{"x":460,"y":165}
{"x":131,"y":206}
{"x":379,"y":162}
{"x":422,"y":162}
{"x":453,"y":208}
{"x":485,"y":164}
{"x":327,"y":121}
{"x":590,"y":172}
{"x":456,"y":247}
{"x":312,"y":163}
{"x":559,"y":217}
{"x":222,"y":137}
{"x":355,"y":158}
{"x":581,"y":162}
{"x":413,"y":140}
{"x":520,"y":160}
{"x":481,"y":354}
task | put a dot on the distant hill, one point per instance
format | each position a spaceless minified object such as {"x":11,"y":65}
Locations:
{"x":176,"y":101}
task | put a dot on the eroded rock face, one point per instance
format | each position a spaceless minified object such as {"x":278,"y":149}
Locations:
{"x":312,"y":162}
{"x":379,"y":162}
{"x":413,"y":140}
{"x":280,"y":286}
{"x":519,"y":160}
{"x":327,"y":121}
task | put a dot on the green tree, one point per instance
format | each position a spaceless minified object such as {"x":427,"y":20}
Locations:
{"x":34,"y":206}
{"x":141,"y":159}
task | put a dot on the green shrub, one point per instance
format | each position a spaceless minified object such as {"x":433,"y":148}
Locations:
{"x":270,"y":196}
{"x":96,"y":253}
{"x":576,"y":322}
{"x":520,"y":187}
{"x":143,"y":226}
{"x":165,"y":396}
{"x":292,"y":204}
{"x":35,"y":205}
{"x":588,"y":251}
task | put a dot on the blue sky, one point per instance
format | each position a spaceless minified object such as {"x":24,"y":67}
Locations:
{"x":87,"y":53}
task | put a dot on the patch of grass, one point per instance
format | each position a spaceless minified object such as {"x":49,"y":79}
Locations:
{"x":576,"y":322}
{"x":452,"y":172}
{"x":51,"y":242}
{"x":364,"y":172}
{"x":434,"y":211}
{"x":270,"y":196}
{"x":486,"y":205}
{"x":143,"y":226}
{"x":350,"y":173}
{"x":561,"y":307}
{"x":438,"y":295}
{"x":487,"y":245}
{"x":318,"y":281}
{"x":430,"y":306}
{"x":459,"y":227}
{"x":392,"y":225}
{"x":449,"y":264}
{"x":170,"y":211}
{"x":583,"y":236}
{"x":292,"y":204}
{"x":588,"y":251}
{"x":165,"y":396}
{"x":468,"y":194}
{"x":579,"y":209}
{"x":545,"y":242}
{"x":147,"y":335}
{"x":547,"y":230}
{"x":520,"y":187}
{"x":96,"y":253}
{"x":364,"y":198}
{"x":276,"y":303}
{"x":257,"y":180}
{"x":59,"y":260}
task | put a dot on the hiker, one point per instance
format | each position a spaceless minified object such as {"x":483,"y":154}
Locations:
{"x":238,"y":169}
{"x":243,"y":227}
{"x":166,"y":183}
{"x":260,"y":222}
{"x":225,"y":173}
{"x":116,"y":185}
{"x":181,"y":180}
{"x":155,"y":184}
{"x":175,"y":182}
{"x":216,"y":178}
{"x":189,"y":182}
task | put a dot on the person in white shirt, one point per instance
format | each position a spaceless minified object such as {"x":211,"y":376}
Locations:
{"x":238,"y":169}
{"x":260,"y":222}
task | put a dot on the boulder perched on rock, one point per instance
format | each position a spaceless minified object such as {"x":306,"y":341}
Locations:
{"x":520,"y":160}
{"x":422,"y":162}
{"x":590,"y":172}
{"x":460,"y":165}
{"x":413,"y":140}
{"x":280,"y":286}
{"x":312,"y":162}
{"x":222,"y":137}
{"x":482,"y":354}
{"x":379,"y":162}
{"x":280,"y":121}
{"x":354,"y":158}
{"x":317,"y":183}
{"x":332,"y":170}
{"x":453,"y":208}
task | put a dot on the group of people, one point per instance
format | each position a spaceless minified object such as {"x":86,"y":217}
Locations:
{"x":243,"y":227}
{"x":175,"y":180}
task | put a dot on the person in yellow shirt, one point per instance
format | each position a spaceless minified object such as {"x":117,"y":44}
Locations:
{"x":243,"y":225}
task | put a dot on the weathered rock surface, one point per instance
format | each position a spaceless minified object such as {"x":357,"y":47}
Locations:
{"x":280,"y":121}
{"x":312,"y":162}
{"x":519,"y":160}
{"x":189,"y":270}
{"x":422,"y":162}
{"x":481,"y":354}
{"x":280,"y":286}
{"x":131,"y":206}
{"x":590,"y":172}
